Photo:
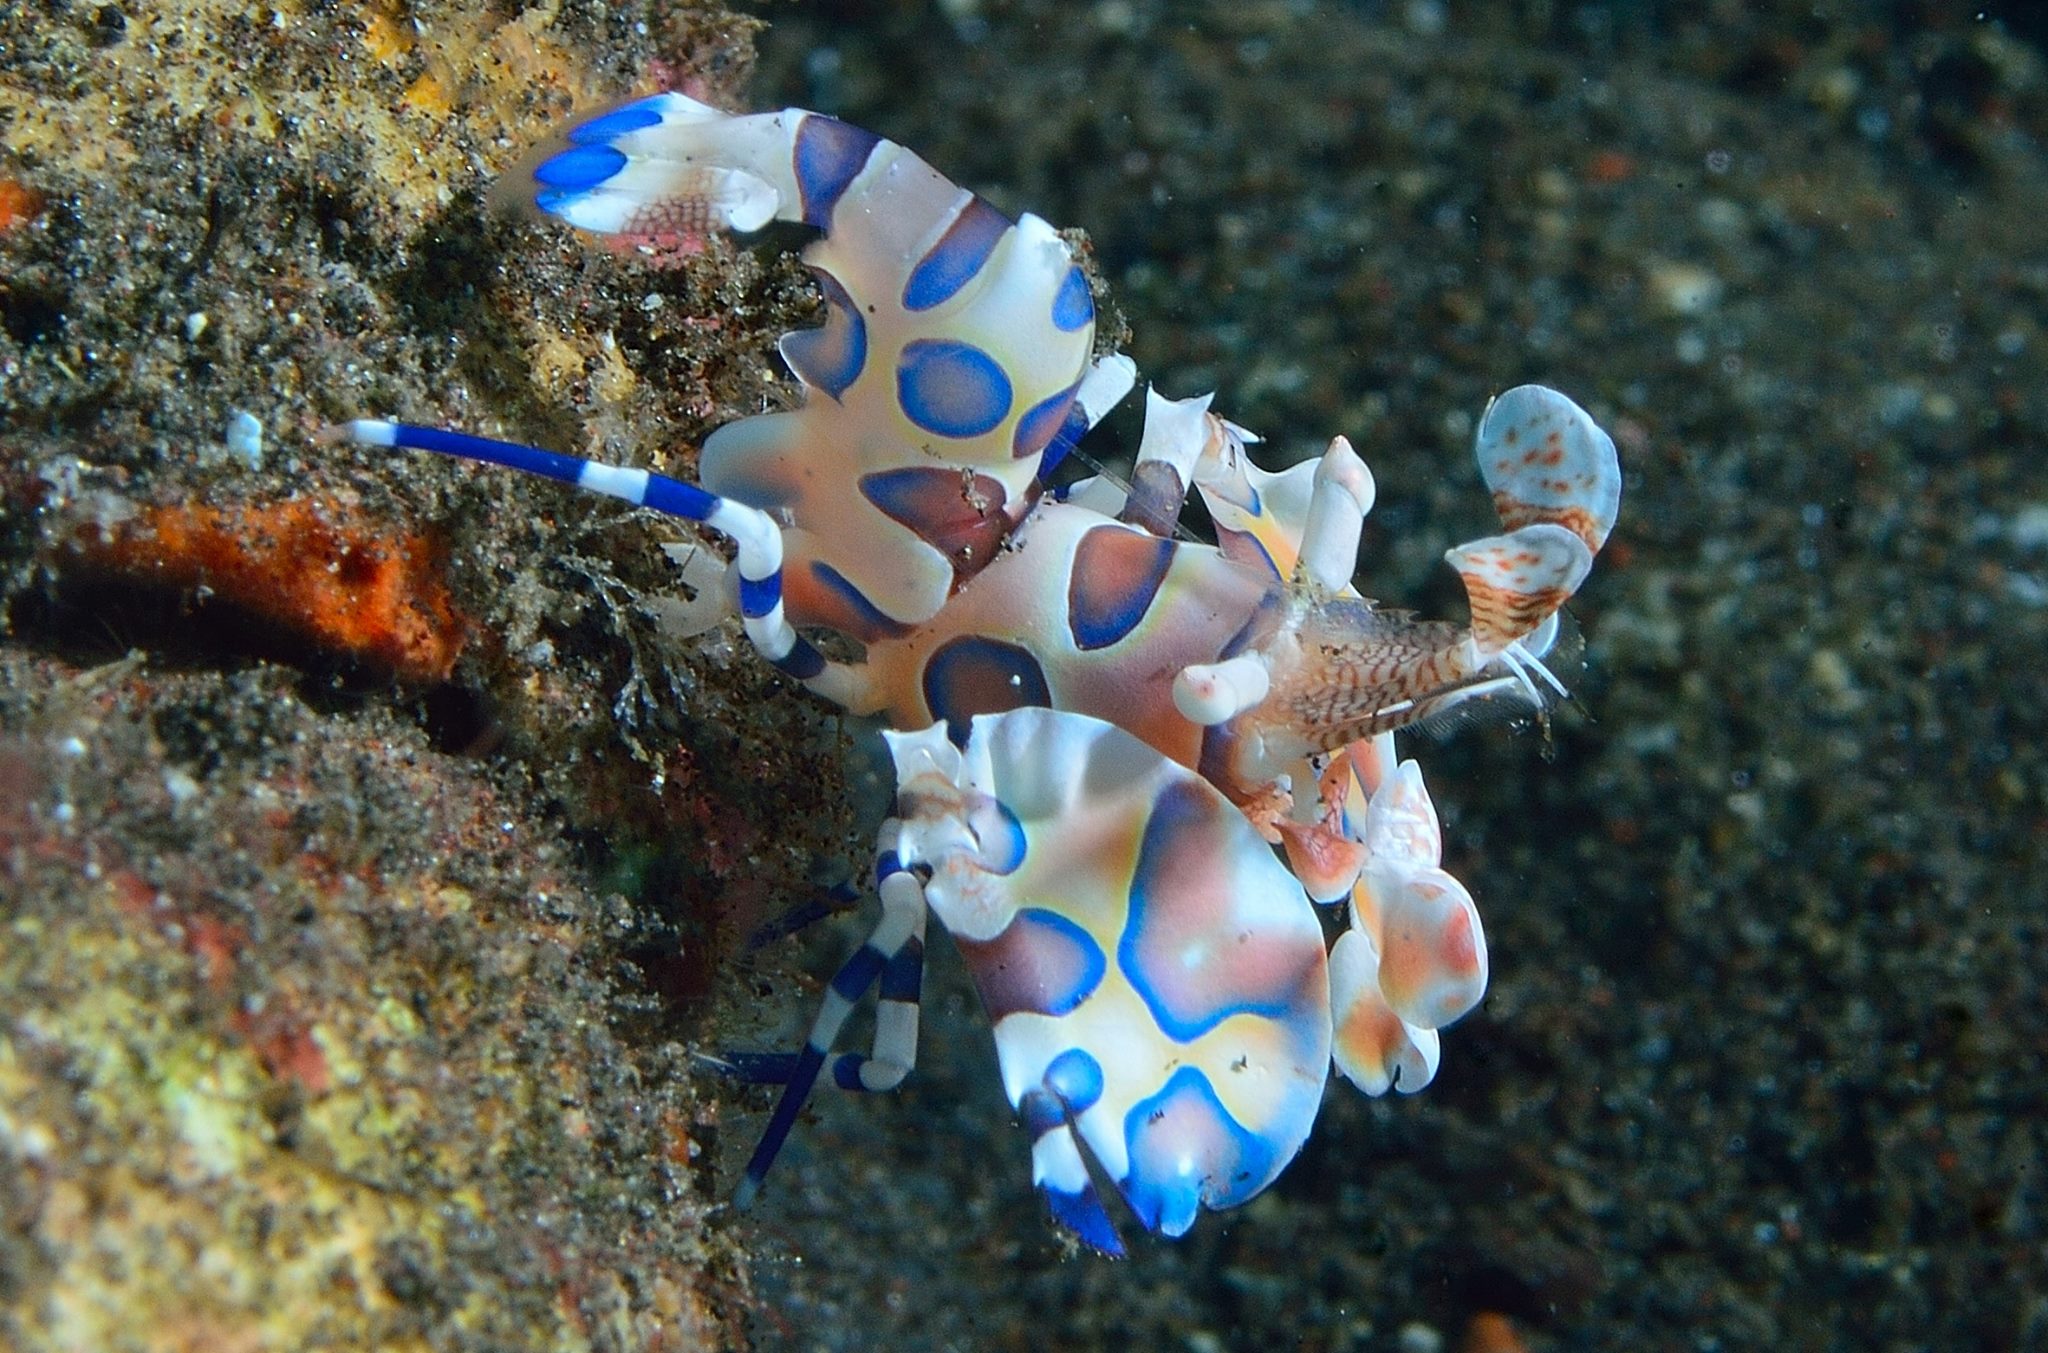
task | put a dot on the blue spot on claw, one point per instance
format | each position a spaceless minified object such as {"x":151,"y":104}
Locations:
{"x":1036,"y":429}
{"x":829,"y":156}
{"x":959,"y":254}
{"x":1187,"y":1151}
{"x":1073,"y":308}
{"x":830,"y":357}
{"x":553,"y":200}
{"x":618,"y":122}
{"x":1082,"y":1213}
{"x":1077,"y":1079}
{"x":950,"y":388}
{"x":580,"y":167}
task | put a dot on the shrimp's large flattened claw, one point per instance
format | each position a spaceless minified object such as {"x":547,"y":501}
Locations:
{"x":954,"y":349}
{"x":1155,"y":976}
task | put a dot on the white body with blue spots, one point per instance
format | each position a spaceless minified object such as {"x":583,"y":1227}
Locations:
{"x":1104,"y":729}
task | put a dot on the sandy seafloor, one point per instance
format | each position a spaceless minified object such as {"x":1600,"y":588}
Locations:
{"x":356,"y":959}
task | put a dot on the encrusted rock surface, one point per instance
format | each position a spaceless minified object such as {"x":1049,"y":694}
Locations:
{"x":345,"y":1005}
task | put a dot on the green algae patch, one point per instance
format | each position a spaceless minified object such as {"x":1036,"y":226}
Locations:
{"x":187,"y":1200}
{"x":248,"y":1099}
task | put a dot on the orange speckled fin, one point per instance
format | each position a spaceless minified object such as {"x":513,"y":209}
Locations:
{"x":1516,"y":582}
{"x":1547,"y":461}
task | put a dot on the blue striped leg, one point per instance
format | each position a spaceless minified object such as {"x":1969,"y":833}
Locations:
{"x":755,"y":533}
{"x":841,"y":896}
{"x":894,"y":953}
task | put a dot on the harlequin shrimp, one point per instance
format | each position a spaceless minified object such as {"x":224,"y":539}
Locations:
{"x":1101,"y":731}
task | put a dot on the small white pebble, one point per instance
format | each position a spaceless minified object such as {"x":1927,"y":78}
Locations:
{"x":1684,"y":288}
{"x":1724,"y":220}
{"x":73,"y":746}
{"x":1426,"y":18}
{"x":61,"y":475}
{"x":2027,"y":528}
{"x":1416,"y":1337}
{"x":37,"y":1143}
{"x":1115,"y":16}
{"x":245,"y":439}
{"x":180,"y":786}
{"x":195,"y":325}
